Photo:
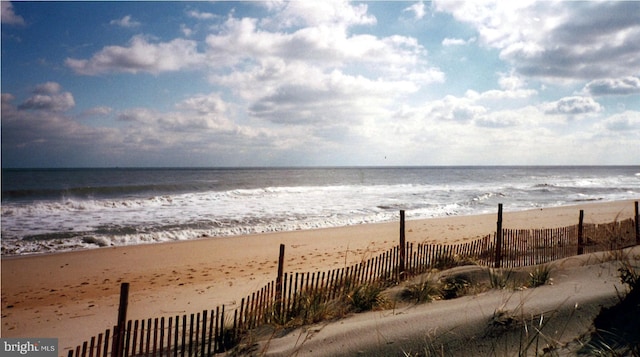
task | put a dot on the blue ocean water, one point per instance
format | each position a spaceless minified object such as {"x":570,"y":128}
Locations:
{"x":46,"y":210}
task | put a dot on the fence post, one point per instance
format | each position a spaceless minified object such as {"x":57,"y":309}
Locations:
{"x":637,"y":224}
{"x":580,"y":233}
{"x":498,"y":258}
{"x":403,"y":246}
{"x":118,"y":338}
{"x":279,"y":281}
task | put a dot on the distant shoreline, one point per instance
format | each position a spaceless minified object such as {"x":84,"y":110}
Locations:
{"x":301,"y":167}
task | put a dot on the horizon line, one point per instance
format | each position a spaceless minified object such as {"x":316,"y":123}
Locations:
{"x":310,"y":167}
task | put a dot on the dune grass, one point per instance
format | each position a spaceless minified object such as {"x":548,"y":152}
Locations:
{"x":529,"y":334}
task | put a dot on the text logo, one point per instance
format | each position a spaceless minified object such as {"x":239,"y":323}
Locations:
{"x":20,"y":347}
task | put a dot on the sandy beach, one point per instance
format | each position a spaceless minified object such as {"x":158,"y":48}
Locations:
{"x":73,"y":296}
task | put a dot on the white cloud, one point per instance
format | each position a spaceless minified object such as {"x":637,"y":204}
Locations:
{"x":241,"y":39}
{"x":627,"y":122}
{"x":201,"y":15}
{"x":557,"y":40}
{"x":199,"y":115}
{"x":455,"y":109}
{"x":455,"y":41}
{"x":333,"y":13}
{"x":500,"y":119}
{"x":205,"y":111}
{"x":417,"y":9}
{"x":511,"y":81}
{"x":8,"y":16}
{"x":204,"y":104}
{"x":317,"y":75}
{"x":317,"y":98}
{"x":126,"y":22}
{"x":613,"y":86}
{"x":498,"y":95}
{"x":140,"y":56}
{"x":572,"y":106}
{"x":186,"y":30}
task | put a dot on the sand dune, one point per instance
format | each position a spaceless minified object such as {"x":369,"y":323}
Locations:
{"x":490,"y":323}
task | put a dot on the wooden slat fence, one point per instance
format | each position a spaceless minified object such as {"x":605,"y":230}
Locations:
{"x":214,"y":331}
{"x":609,"y":236}
{"x":201,"y":334}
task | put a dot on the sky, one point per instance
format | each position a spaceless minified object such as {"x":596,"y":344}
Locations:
{"x":320,"y":83}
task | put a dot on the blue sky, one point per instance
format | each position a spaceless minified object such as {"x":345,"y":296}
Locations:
{"x":328,"y":83}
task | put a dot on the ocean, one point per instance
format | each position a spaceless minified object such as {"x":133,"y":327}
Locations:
{"x":51,"y":210}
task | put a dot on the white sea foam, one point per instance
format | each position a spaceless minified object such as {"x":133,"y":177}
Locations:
{"x":69,"y":222}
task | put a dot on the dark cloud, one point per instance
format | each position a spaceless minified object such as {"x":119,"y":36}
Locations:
{"x":298,"y":104}
{"x":614,"y":86}
{"x":48,"y":88}
{"x":563,"y":40}
{"x":47,"y":137}
{"x":47,"y":97}
{"x":598,"y":39}
{"x":590,"y":21}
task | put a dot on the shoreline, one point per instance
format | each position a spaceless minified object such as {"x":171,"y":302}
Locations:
{"x":596,"y":217}
{"x":74,"y":295}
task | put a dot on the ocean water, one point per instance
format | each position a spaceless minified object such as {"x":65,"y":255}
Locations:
{"x":49,"y":210}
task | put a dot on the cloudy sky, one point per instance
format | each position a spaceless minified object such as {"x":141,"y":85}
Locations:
{"x":320,"y":83}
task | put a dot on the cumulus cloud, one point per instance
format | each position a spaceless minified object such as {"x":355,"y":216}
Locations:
{"x":48,"y":97}
{"x":58,"y":102}
{"x":317,"y":75}
{"x":318,"y":98}
{"x":198,"y":114}
{"x":456,"y":109}
{"x":572,"y":106}
{"x":197,"y":129}
{"x":204,"y":104}
{"x":140,"y":56}
{"x":126,"y":22}
{"x":8,"y":16}
{"x":557,"y":40}
{"x":511,"y":81}
{"x":314,"y":79}
{"x":241,"y":39}
{"x":613,"y":86}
